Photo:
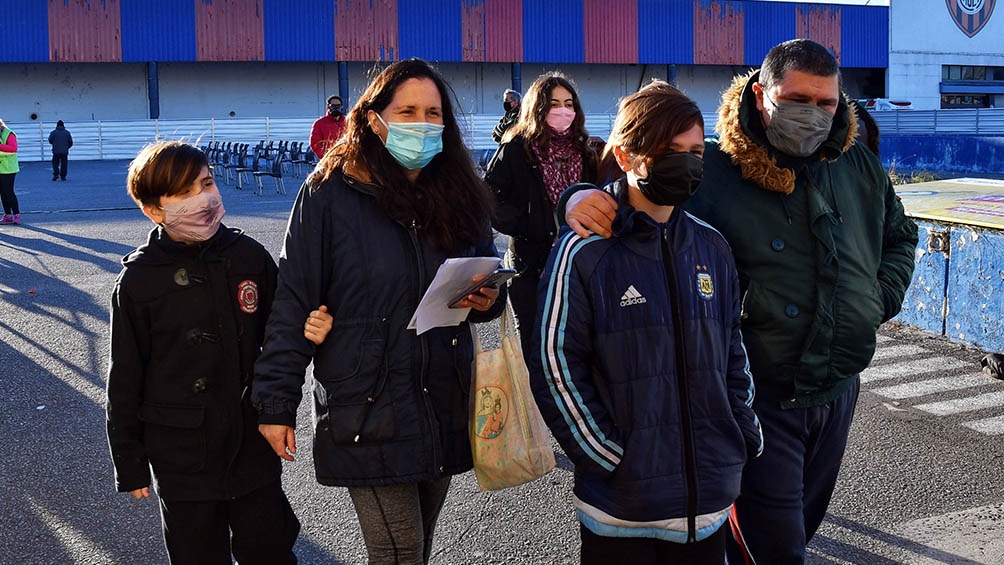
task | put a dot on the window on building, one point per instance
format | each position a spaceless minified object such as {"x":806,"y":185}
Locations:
{"x":964,"y":101}
{"x":970,"y":72}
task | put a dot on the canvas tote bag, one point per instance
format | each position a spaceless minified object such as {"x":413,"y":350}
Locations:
{"x":509,"y":440}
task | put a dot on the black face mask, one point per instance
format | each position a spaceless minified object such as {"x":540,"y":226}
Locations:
{"x":672,"y":179}
{"x":334,"y":112}
{"x":508,"y":106}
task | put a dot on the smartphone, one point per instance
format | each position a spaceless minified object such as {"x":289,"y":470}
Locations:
{"x":493,"y":280}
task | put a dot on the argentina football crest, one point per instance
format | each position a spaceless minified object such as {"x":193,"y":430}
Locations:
{"x":705,"y":286}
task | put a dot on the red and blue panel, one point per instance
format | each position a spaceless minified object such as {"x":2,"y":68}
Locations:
{"x":492,"y":30}
{"x":709,"y":32}
{"x":767,"y":24}
{"x":366,"y":30}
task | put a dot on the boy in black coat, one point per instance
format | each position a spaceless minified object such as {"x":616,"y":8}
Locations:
{"x":187,"y":323}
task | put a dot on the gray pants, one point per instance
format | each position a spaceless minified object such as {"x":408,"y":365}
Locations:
{"x":398,"y":520}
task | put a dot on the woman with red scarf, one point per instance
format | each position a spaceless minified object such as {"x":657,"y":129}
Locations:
{"x":542,"y":155}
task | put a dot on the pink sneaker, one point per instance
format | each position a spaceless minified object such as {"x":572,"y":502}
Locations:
{"x":17,"y":218}
{"x":7,"y":219}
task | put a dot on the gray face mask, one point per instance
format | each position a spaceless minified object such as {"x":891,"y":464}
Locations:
{"x":797,"y":128}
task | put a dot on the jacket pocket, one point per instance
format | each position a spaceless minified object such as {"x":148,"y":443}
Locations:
{"x":353,"y":357}
{"x":351,"y":403}
{"x":174,"y":437}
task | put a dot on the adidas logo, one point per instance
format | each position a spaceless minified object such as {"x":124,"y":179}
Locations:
{"x":632,"y":296}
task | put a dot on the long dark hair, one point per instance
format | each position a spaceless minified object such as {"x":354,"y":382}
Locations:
{"x":448,"y":200}
{"x":532,"y":124}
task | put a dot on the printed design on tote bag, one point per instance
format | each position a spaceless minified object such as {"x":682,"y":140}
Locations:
{"x":493,"y":411}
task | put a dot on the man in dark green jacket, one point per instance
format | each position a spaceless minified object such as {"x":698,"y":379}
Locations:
{"x":825,"y":255}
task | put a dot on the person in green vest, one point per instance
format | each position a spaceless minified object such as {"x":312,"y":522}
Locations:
{"x":8,"y":169}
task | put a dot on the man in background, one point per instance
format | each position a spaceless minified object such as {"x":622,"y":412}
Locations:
{"x":510,"y":103}
{"x":61,"y":142}
{"x":328,"y":128}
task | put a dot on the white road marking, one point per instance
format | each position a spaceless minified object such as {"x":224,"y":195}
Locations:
{"x":931,"y":386}
{"x":960,"y":405}
{"x":914,"y":367}
{"x":891,"y":351}
{"x":966,"y":536}
{"x":991,"y":426}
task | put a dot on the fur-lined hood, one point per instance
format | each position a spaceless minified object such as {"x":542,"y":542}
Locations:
{"x":742,"y":137}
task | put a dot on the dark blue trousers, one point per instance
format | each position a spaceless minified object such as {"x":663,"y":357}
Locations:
{"x":786,"y":490}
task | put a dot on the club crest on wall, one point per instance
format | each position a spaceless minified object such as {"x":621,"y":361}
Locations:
{"x":970,"y":15}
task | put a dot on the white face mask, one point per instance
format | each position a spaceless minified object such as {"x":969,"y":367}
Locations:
{"x":194,"y":219}
{"x":797,"y":128}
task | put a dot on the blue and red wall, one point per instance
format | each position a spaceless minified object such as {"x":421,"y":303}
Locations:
{"x":700,"y":32}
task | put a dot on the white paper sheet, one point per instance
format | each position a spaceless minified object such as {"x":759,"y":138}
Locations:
{"x":453,"y":276}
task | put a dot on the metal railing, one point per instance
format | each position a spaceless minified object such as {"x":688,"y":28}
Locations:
{"x":109,"y":139}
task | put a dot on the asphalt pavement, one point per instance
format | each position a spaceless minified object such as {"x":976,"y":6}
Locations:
{"x":921,"y":481}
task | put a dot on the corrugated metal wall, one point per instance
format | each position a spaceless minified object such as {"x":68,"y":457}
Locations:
{"x":299,"y":30}
{"x":440,"y":41}
{"x":665,"y":32}
{"x":504,"y":30}
{"x":611,"y":31}
{"x":864,"y":37}
{"x":83,"y":31}
{"x":158,"y":31}
{"x":26,"y":31}
{"x":719,"y":32}
{"x":366,"y":30}
{"x":820,"y":24}
{"x":229,"y":30}
{"x":767,"y":24}
{"x":710,"y":32}
{"x":553,"y":32}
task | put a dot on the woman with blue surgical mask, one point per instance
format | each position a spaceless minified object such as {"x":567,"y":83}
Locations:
{"x":392,"y":200}
{"x":542,"y":155}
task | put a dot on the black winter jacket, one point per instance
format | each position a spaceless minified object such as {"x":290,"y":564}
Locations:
{"x":187,"y":323}
{"x":390,"y":406}
{"x":60,"y":140}
{"x":522,"y":208}
{"x":640,"y":370}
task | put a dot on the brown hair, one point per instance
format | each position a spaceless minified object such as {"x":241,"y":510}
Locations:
{"x":163,"y":168}
{"x":532,"y":124}
{"x":448,"y":200}
{"x":648,"y":120}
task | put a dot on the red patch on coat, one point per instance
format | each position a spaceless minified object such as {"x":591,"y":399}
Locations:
{"x":247,"y":296}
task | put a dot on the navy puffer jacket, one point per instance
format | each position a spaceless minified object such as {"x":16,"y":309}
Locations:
{"x":390,"y":406}
{"x":640,"y":369}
